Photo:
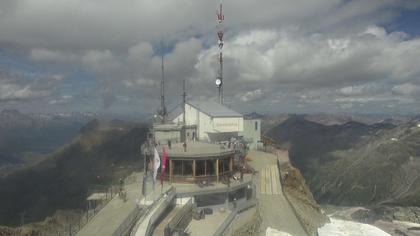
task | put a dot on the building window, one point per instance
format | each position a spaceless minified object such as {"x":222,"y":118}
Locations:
{"x":177,"y":168}
{"x":200,"y":169}
{"x":256,"y":125}
{"x":182,"y":168}
{"x":223,"y":165}
{"x":187,"y":168}
{"x":211,"y":167}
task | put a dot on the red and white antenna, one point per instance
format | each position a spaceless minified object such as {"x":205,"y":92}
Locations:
{"x":219,"y":80}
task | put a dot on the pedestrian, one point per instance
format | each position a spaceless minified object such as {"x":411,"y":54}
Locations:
{"x":185,"y":146}
{"x":169,"y":144}
{"x":242,"y":172}
{"x":121,"y":184}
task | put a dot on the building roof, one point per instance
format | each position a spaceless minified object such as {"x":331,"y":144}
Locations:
{"x":214,"y":109}
{"x":174,"y":113}
{"x":196,"y":150}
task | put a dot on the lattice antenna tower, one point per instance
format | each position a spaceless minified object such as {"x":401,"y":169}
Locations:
{"x":162,"y":112}
{"x":220,"y":33}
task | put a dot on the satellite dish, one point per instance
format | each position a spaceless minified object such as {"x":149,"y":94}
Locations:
{"x":218,"y":82}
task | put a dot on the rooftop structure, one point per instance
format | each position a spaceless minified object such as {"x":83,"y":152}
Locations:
{"x":210,"y":108}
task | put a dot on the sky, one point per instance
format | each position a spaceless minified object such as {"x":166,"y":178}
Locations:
{"x":280,"y":56}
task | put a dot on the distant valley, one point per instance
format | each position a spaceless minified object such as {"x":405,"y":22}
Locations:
{"x":26,"y":138}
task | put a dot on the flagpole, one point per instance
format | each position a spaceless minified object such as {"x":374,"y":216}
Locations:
{"x":156,"y":165}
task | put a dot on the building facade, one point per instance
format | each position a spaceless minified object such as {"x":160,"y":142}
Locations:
{"x":213,"y":121}
{"x":209,"y":122}
{"x":252,"y":133}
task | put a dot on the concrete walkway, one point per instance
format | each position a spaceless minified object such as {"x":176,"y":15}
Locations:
{"x":114,"y":213}
{"x":274,"y":208}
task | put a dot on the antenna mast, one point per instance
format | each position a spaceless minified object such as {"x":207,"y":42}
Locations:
{"x":162,"y":95}
{"x":184,"y":101}
{"x":220,"y":33}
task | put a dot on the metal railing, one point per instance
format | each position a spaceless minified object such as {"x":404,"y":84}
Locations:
{"x":143,"y":213}
{"x":109,"y":192}
{"x":170,"y":197}
{"x":127,"y":225}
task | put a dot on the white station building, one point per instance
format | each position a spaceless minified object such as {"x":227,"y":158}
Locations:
{"x":208,"y":121}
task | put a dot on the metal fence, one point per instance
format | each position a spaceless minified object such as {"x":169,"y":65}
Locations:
{"x":93,"y":207}
{"x":126,"y":227}
{"x":75,"y":225}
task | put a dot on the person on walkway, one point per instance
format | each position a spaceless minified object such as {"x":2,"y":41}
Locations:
{"x":121,"y":182}
{"x":185,"y":146}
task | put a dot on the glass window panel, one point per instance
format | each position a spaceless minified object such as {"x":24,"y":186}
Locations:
{"x":187,"y":170}
{"x":221,"y":166}
{"x":177,"y":167}
{"x":200,"y":168}
{"x":226,"y":164}
{"x":211,"y":167}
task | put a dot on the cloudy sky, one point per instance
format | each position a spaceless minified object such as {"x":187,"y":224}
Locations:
{"x":300,"y":56}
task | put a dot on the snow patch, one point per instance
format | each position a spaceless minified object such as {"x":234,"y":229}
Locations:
{"x":349,"y":228}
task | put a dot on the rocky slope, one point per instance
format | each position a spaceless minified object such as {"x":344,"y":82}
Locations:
{"x":307,"y":209}
{"x":354,"y":163}
{"x":54,"y":225}
{"x":100,"y":154}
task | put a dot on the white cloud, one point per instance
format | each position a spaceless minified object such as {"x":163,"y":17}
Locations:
{"x":251,"y":95}
{"x":43,"y":54}
{"x":65,"y":99}
{"x":15,"y":87}
{"x":406,"y":89}
{"x":301,"y":49}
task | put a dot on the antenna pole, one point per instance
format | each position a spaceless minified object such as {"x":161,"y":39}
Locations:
{"x":220,"y":33}
{"x":184,"y":101}
{"x":162,"y":94}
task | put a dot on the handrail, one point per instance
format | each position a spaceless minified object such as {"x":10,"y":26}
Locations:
{"x":110,"y":193}
{"x":128,"y":223}
{"x":143,"y":213}
{"x":170,"y":195}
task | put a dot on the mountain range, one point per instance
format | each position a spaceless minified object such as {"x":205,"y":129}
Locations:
{"x":355,"y":163}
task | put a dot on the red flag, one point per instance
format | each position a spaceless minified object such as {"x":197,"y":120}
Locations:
{"x":164,"y":157}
